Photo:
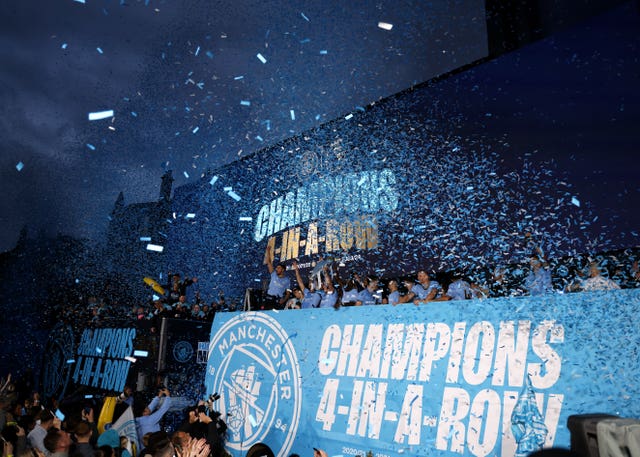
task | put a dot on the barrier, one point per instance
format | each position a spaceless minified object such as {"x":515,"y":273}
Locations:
{"x":493,"y":377}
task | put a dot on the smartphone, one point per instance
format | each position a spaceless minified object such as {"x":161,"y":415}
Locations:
{"x":59,"y":415}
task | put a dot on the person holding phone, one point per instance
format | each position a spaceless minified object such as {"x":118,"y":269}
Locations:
{"x":148,"y":420}
{"x":35,"y":438}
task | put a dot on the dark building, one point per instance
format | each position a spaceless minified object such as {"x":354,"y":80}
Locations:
{"x":137,"y":235}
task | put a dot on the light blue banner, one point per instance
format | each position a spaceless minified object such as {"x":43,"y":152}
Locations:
{"x":493,"y":377}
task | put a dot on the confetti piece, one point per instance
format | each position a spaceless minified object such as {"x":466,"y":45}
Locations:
{"x":197,"y":51}
{"x":186,"y":175}
{"x":575,"y":201}
{"x":190,"y":216}
{"x":96,"y":116}
{"x":100,"y":50}
{"x":304,"y":17}
{"x":145,"y":238}
{"x":261,"y":58}
{"x":90,"y":146}
{"x":139,"y":353}
{"x":323,"y":52}
{"x":213,"y":180}
{"x":385,"y":25}
{"x":195,"y":130}
{"x":64,"y":46}
{"x":259,"y":138}
{"x":19,"y":166}
{"x":233,"y":195}
{"x":154,"y":247}
{"x":70,"y":361}
{"x":348,"y":116}
{"x":130,"y":359}
{"x":237,"y":78}
{"x":245,"y":102}
{"x":80,"y":1}
{"x":227,"y":188}
{"x":293,"y":114}
{"x":245,"y":218}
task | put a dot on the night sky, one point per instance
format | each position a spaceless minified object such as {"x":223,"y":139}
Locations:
{"x":188,"y":89}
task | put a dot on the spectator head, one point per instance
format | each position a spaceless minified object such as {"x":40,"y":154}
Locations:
{"x":82,"y":432}
{"x":594,"y":270}
{"x":156,"y":441}
{"x":105,"y":451}
{"x":57,"y":440}
{"x":393,"y":285}
{"x":10,"y":433}
{"x":180,"y":439}
{"x":297,"y":293}
{"x":280,"y":269}
{"x":45,"y":418}
{"x":423,"y":276}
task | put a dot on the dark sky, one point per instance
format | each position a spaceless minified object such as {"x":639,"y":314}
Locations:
{"x":188,"y":91}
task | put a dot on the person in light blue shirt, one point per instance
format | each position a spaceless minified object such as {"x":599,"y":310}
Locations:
{"x":538,"y":281}
{"x":329,"y":294}
{"x":366,"y":296}
{"x":279,"y":284}
{"x":150,"y":419}
{"x":459,"y":289}
{"x":307,"y":298}
{"x":394,"y":293}
{"x":426,"y":290}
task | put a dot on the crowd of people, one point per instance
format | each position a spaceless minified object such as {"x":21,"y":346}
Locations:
{"x":72,"y":427}
{"x":35,"y":427}
{"x":325,"y":287}
{"x":328,"y":286}
{"x":30,"y":426}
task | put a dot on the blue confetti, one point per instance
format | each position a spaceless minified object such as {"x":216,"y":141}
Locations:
{"x":145,"y":238}
{"x":154,"y":247}
{"x":261,"y":58}
{"x":245,"y":102}
{"x":213,"y":180}
{"x":90,"y":146}
{"x":99,"y":50}
{"x":196,"y":130}
{"x":293,"y":115}
{"x":233,"y":195}
{"x":323,"y":52}
{"x":575,"y":201}
{"x":64,"y":46}
{"x":19,"y":166}
{"x":304,"y":17}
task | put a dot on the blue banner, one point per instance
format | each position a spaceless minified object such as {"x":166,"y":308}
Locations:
{"x":493,"y":377}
